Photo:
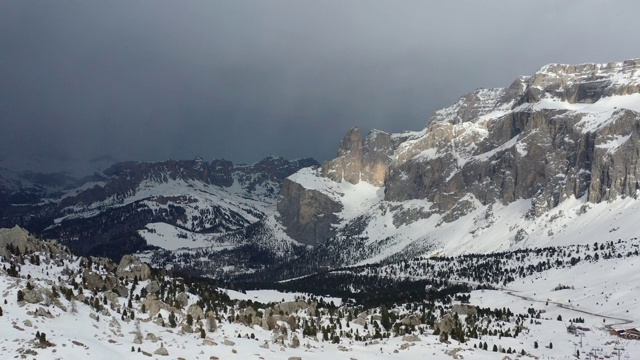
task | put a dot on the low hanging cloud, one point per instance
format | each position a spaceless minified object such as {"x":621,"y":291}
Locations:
{"x":152,"y":80}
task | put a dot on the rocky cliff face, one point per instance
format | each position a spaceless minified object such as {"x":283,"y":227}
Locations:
{"x":568,"y":131}
{"x":362,"y":159}
{"x":309,"y":213}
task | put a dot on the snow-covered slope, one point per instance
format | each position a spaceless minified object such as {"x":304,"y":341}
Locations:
{"x":57,"y":305}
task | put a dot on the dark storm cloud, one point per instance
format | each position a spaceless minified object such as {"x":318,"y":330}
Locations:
{"x":150,"y":80}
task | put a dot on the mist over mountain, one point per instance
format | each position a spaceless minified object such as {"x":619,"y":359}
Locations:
{"x":243,"y":81}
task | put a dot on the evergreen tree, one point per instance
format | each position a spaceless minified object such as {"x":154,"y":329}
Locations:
{"x":172,"y":320}
{"x":385,"y":321}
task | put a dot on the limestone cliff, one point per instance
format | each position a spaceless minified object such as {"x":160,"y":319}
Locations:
{"x":568,"y":131}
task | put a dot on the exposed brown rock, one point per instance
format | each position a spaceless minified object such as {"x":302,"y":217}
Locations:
{"x":131,"y":267}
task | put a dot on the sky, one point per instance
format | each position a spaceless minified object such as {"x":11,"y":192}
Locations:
{"x":84,"y":83}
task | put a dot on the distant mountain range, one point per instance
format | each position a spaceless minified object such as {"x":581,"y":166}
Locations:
{"x":121,"y":210}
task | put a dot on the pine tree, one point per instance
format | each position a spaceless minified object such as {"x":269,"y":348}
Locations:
{"x":172,"y":320}
{"x":385,"y":321}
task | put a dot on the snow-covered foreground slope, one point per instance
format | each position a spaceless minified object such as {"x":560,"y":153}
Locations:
{"x":88,"y":309}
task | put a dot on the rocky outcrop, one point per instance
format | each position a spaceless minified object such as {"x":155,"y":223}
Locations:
{"x":361,"y":159}
{"x":347,"y":165}
{"x":15,"y":237}
{"x":295,"y":342}
{"x":161,"y":351}
{"x":20,"y":240}
{"x":543,"y":155}
{"x":411,"y":320}
{"x":33,"y":296}
{"x":195,"y":311}
{"x":131,"y":267}
{"x":462,"y":309}
{"x":446,"y":324}
{"x":97,"y":281}
{"x":411,"y":338}
{"x":153,"y":306}
{"x":290,"y":307}
{"x":308,"y":214}
{"x":377,"y":153}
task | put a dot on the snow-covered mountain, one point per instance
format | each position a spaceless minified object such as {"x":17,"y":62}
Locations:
{"x":28,"y":187}
{"x":171,"y":205}
{"x":550,"y":160}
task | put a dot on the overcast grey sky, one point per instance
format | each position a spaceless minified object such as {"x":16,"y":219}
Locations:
{"x":152,"y":80}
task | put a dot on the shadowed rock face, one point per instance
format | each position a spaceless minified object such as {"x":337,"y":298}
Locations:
{"x":309,"y":214}
{"x":568,"y":130}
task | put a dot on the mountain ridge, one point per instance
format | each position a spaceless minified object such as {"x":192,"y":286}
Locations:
{"x":566,"y":132}
{"x":103,"y":216}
